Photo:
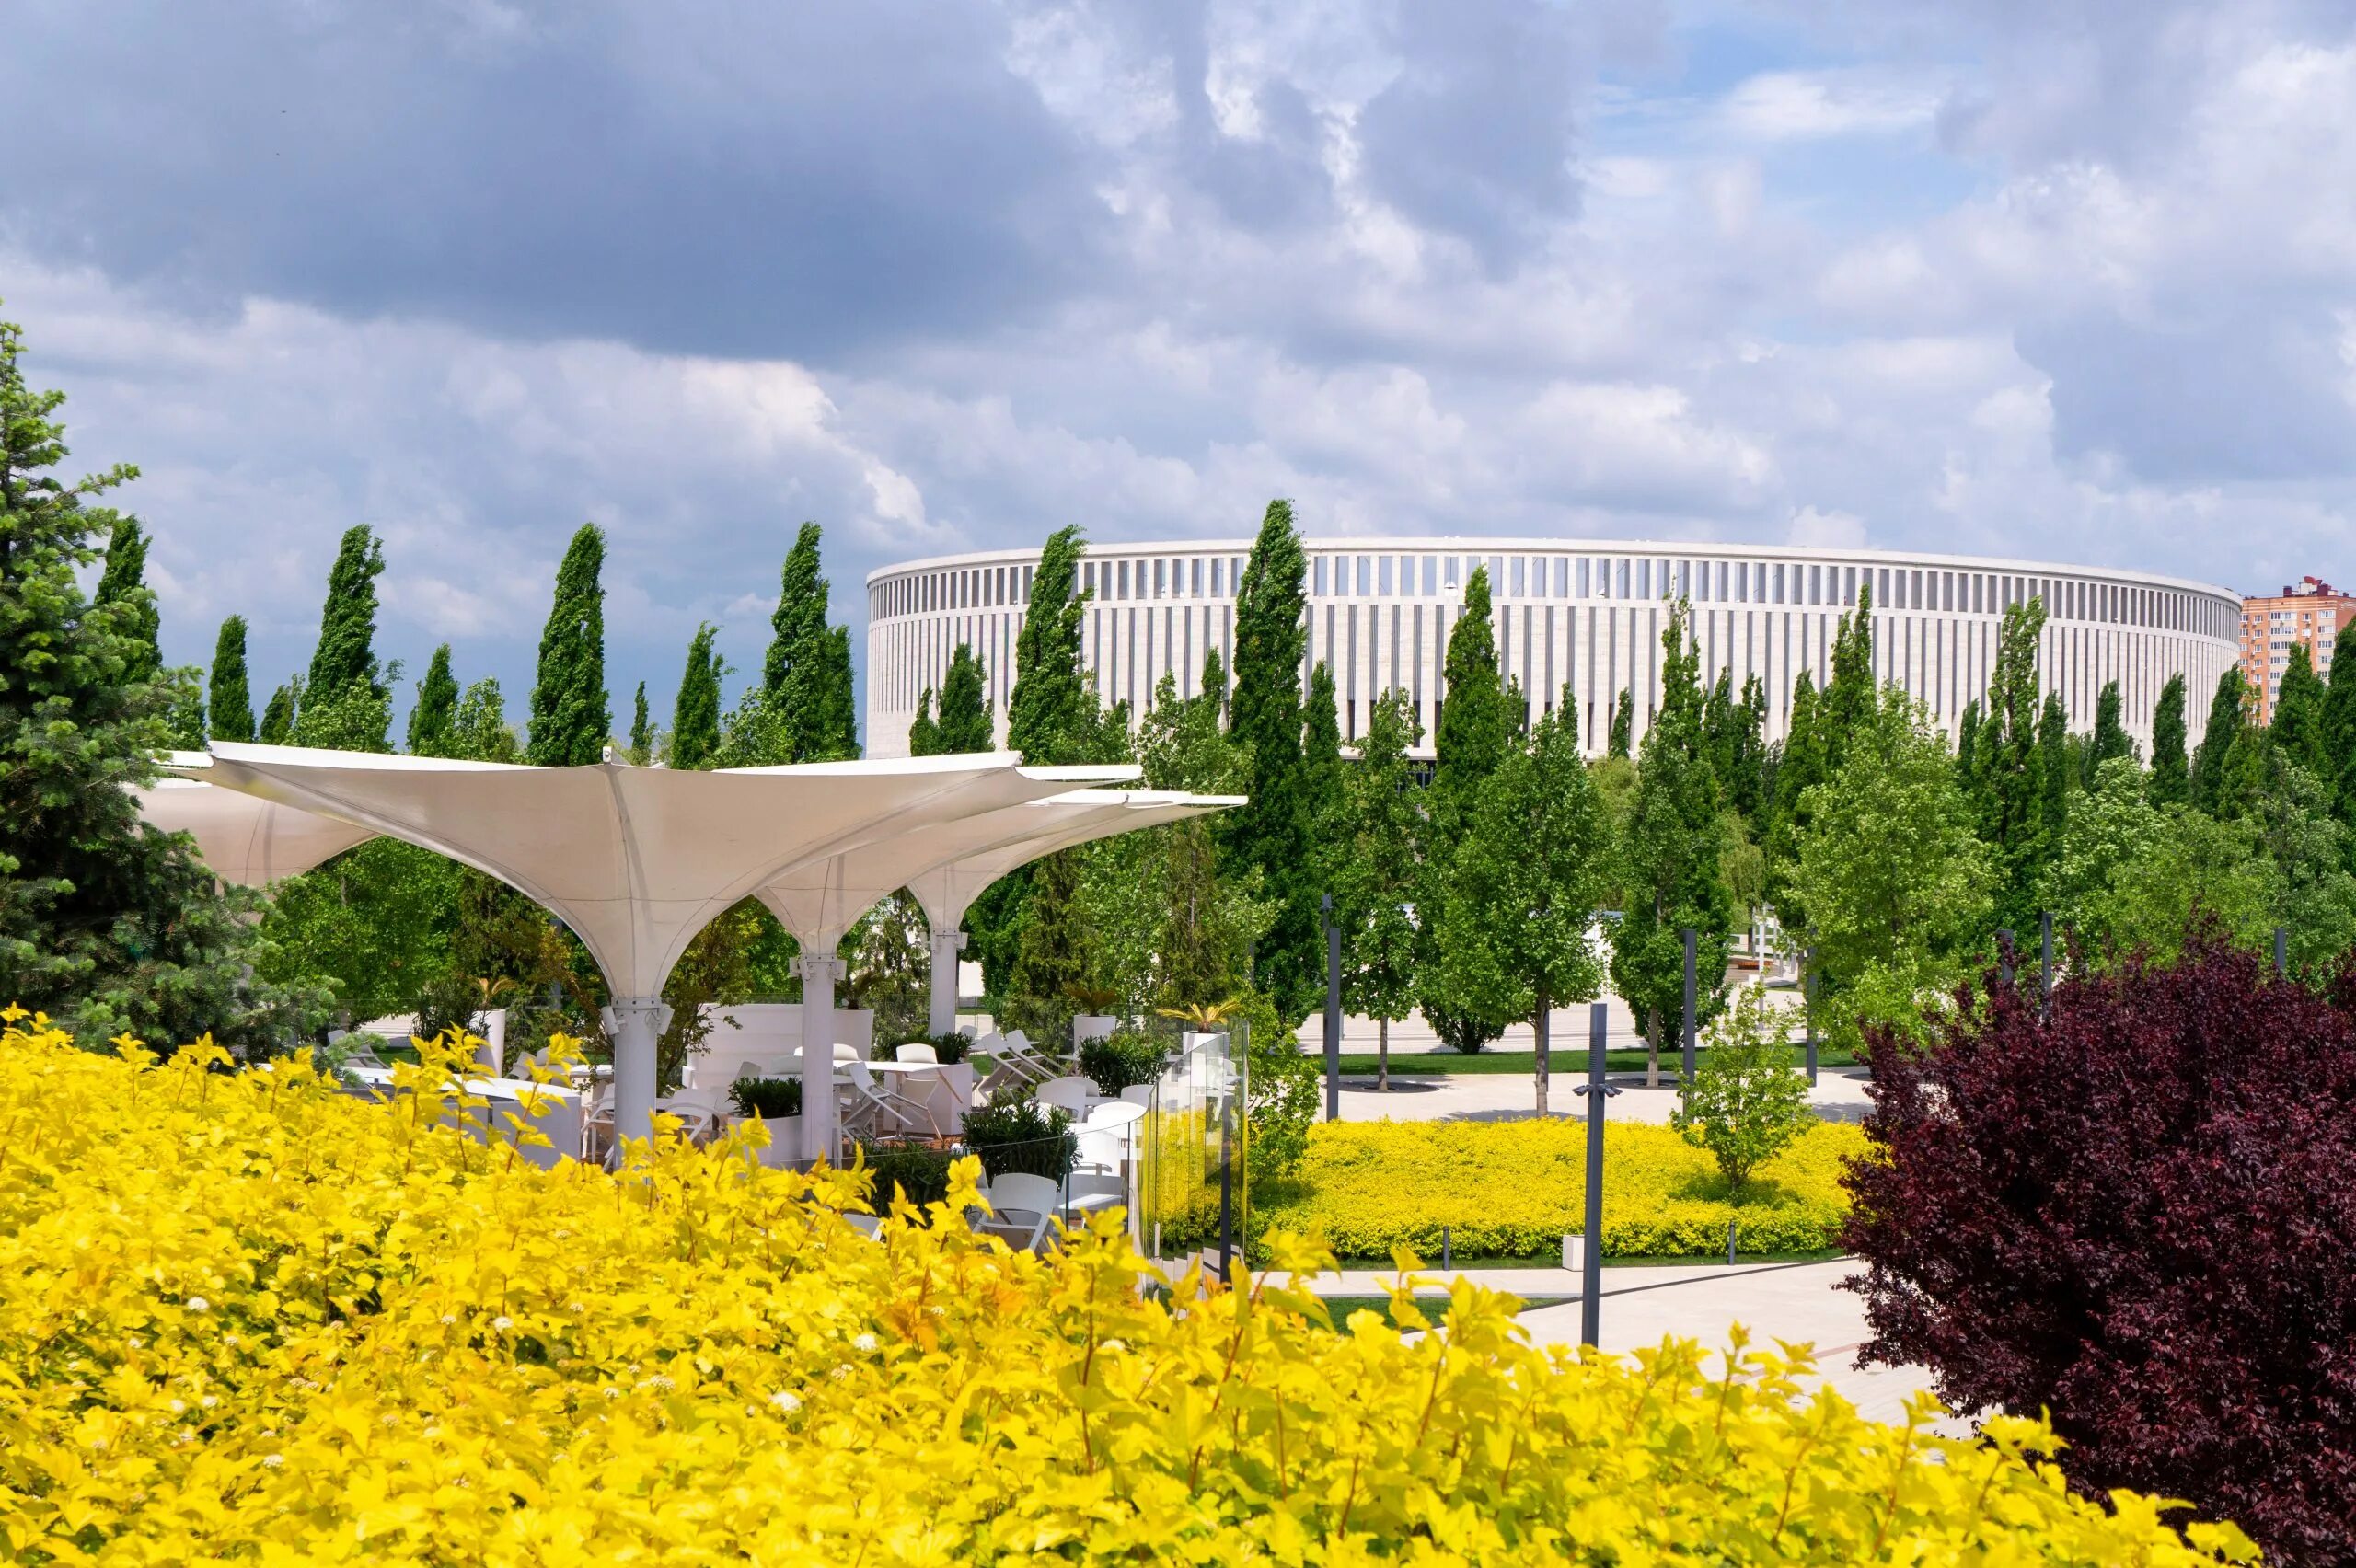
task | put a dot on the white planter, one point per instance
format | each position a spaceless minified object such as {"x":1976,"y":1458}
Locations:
{"x":785,"y":1139}
{"x":1086,"y":1027}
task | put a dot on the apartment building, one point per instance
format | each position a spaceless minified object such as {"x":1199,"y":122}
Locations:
{"x":2309,"y":612}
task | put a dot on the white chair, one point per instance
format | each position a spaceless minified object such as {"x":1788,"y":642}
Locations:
{"x":1072,"y":1094}
{"x":1139,"y":1094}
{"x":1017,"y":1060}
{"x":698,"y":1114}
{"x":1021,"y":1207}
{"x":597,"y":1120}
{"x":916,"y":1052}
{"x":871,"y":1102}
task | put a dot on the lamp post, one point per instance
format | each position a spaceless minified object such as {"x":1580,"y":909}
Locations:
{"x":1591,"y":1239}
{"x":1332,"y":1012}
{"x":2281,"y":950}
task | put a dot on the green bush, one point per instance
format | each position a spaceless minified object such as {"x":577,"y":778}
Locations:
{"x":766,"y":1097}
{"x":1013,"y":1134}
{"x":951,"y":1047}
{"x":914,"y":1171}
{"x":1122,"y":1060}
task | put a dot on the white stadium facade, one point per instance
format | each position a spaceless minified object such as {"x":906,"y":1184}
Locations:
{"x":1581,"y":615}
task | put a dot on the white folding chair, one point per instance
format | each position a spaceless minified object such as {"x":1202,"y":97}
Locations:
{"x":698,"y":1114}
{"x":1072,"y":1094}
{"x":1019,"y":1061}
{"x":876,"y":1101}
{"x":597,"y":1120}
{"x":1021,"y":1207}
{"x":1139,"y":1094}
{"x":916,"y":1052}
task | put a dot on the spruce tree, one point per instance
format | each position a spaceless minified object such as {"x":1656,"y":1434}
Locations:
{"x":1050,"y":715}
{"x":964,"y":724}
{"x":2297,"y":724}
{"x":2225,"y":722}
{"x":695,"y":716}
{"x":2010,"y":767}
{"x":642,"y":730}
{"x":232,"y":698}
{"x":105,"y":924}
{"x":1624,"y":724}
{"x":123,"y":584}
{"x":570,"y":719}
{"x":347,"y":703}
{"x":432,"y":716}
{"x":2171,"y":778}
{"x":2111,"y":738}
{"x":277,"y":727}
{"x":1272,"y":833}
{"x":1671,"y":860}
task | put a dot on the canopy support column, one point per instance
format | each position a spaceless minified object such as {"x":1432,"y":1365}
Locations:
{"x":632,"y":1023}
{"x":946,"y":946}
{"x":820,"y":969}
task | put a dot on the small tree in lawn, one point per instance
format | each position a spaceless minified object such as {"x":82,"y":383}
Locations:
{"x":1745,"y":1105}
{"x":1386,"y":820}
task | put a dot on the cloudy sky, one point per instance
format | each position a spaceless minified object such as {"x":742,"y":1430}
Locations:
{"x":2069,"y":279}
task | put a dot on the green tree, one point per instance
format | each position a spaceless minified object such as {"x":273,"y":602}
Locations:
{"x":232,"y":703}
{"x":185,"y":714}
{"x":123,"y":584}
{"x":964,"y":724}
{"x":2171,"y":778}
{"x":2297,"y":727}
{"x":1324,"y":803}
{"x":1381,"y":874}
{"x":2111,"y":739}
{"x":479,"y":730}
{"x":1472,"y":737}
{"x":2193,"y":866}
{"x":1623,"y":725}
{"x":1671,"y":860}
{"x":2054,"y":743}
{"x":346,"y":704}
{"x":1800,"y":768}
{"x":2113,"y":825}
{"x":804,"y":709}
{"x":1895,"y":883}
{"x":377,"y":920}
{"x":105,"y":924}
{"x":695,"y":715}
{"x":2315,"y":901}
{"x":1849,"y":695}
{"x":1745,"y":1105}
{"x":2008,"y":784}
{"x":1051,"y":712}
{"x":436,"y":708}
{"x":1521,"y":895}
{"x":642,"y":730}
{"x":277,"y":727}
{"x":2339,"y":741}
{"x":572,"y":719}
{"x":924,"y":731}
{"x":1271,"y":834}
{"x":2227,"y":720}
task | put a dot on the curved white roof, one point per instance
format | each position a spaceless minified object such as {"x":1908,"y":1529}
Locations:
{"x":244,"y":838}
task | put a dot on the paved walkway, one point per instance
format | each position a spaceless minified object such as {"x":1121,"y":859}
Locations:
{"x":1839,"y":1096}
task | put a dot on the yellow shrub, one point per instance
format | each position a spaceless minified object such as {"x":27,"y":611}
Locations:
{"x":1515,"y":1189}
{"x":244,"y":1318}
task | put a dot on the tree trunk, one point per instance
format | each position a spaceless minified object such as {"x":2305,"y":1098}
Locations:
{"x":1652,"y":1048}
{"x":1540,"y":1023}
{"x":1382,"y":1055}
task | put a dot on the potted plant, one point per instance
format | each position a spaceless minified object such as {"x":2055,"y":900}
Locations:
{"x":913,"y":1171}
{"x":1011,"y":1133}
{"x":1095,"y":1018}
{"x":775,"y":1103}
{"x":1123,"y":1059}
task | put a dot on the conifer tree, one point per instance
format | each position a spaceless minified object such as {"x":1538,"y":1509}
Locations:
{"x":2053,"y":742}
{"x":277,"y":727}
{"x":572,"y":719}
{"x":2339,"y":741}
{"x":2225,"y":722}
{"x":123,"y":583}
{"x":1381,"y":874}
{"x":347,"y":702}
{"x":964,"y":724}
{"x":2171,"y":777}
{"x":432,"y":716}
{"x":232,"y":698}
{"x":1272,"y":833}
{"x":1050,"y":715}
{"x":1670,"y":860}
{"x":1325,"y":806}
{"x":105,"y":924}
{"x":695,"y":716}
{"x":2111,"y":738}
{"x":1624,"y":724}
{"x":2009,"y":765}
{"x":2297,"y":724}
{"x":642,"y":730}
{"x":1800,"y":769}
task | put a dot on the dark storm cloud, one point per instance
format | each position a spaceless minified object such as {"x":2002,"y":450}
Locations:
{"x":795,"y":180}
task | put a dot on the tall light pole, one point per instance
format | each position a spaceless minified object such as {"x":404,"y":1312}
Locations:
{"x":1591,"y":1240}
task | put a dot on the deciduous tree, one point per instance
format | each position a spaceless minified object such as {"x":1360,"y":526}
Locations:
{"x":964,"y":724}
{"x":2111,"y":739}
{"x":2227,"y":716}
{"x":1388,"y":826}
{"x":346,"y":703}
{"x":695,"y":714}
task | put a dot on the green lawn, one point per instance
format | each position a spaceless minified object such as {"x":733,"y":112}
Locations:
{"x":1525,"y":1063}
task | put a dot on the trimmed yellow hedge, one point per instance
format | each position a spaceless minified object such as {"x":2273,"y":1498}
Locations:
{"x":248,"y":1319}
{"x":1515,"y":1189}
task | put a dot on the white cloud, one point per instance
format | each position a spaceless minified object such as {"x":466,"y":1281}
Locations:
{"x":1783,"y":106}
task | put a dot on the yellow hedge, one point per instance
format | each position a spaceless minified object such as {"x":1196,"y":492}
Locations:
{"x":1515,"y":1189}
{"x":246,"y":1318}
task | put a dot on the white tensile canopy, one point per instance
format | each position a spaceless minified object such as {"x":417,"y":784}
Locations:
{"x":637,"y":860}
{"x":244,"y":839}
{"x":948,"y":864}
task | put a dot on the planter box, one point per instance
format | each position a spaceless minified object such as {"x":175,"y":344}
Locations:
{"x":1091,"y":1026}
{"x":784,"y":1148}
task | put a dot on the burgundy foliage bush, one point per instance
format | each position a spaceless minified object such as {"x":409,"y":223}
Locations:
{"x":2140,"y":1216}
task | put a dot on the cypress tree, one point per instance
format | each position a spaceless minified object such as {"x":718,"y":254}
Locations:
{"x":1050,"y":714}
{"x":1272,"y":831}
{"x":277,"y":727}
{"x":346,"y":704}
{"x":695,"y":716}
{"x":570,"y":719}
{"x":1475,"y":731}
{"x":2339,"y":741}
{"x":2171,"y":778}
{"x":1800,"y":768}
{"x":105,"y":924}
{"x":805,"y":676}
{"x":2111,"y":738}
{"x":1322,"y":793}
{"x":123,"y":584}
{"x":2011,"y":768}
{"x":2297,"y":724}
{"x":2224,"y":727}
{"x":232,"y":696}
{"x":642,"y":730}
{"x":432,"y":716}
{"x":2053,"y":742}
{"x":1624,"y":724}
{"x":965,"y":724}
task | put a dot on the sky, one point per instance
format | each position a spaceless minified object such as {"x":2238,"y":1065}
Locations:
{"x":2070,"y":280}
